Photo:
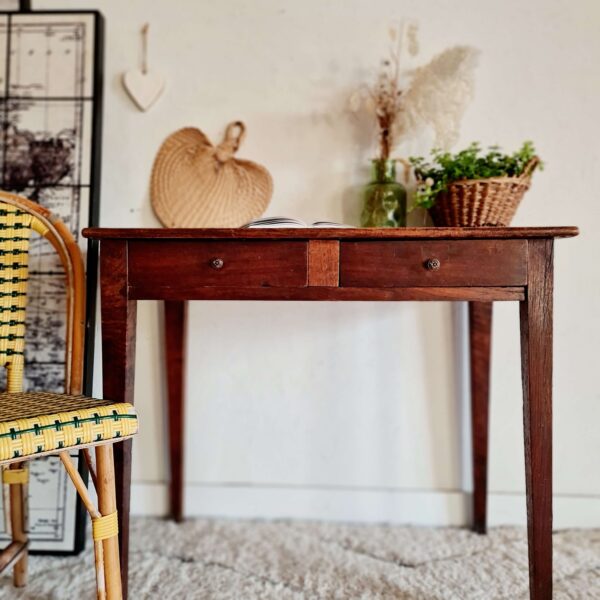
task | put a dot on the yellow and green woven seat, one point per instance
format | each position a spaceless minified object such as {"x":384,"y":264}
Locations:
{"x":37,"y":423}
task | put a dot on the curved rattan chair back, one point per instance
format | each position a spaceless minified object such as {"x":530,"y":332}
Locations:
{"x":18,"y":217}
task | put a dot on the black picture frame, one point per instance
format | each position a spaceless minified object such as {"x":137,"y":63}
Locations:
{"x":81,"y":516}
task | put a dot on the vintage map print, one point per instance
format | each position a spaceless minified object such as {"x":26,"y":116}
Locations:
{"x":48,"y":112}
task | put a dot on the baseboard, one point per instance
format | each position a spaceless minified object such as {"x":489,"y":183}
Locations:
{"x":356,"y":505}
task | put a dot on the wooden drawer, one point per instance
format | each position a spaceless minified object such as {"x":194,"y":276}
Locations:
{"x":218,"y":263}
{"x":435,"y":263}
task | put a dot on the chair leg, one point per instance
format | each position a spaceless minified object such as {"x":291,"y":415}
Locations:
{"x":94,"y":514}
{"x":18,"y":498}
{"x":104,"y":520}
{"x":107,"y":502}
{"x":90,"y":465}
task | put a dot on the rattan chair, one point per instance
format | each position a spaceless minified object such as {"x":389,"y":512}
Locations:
{"x":34,"y":424}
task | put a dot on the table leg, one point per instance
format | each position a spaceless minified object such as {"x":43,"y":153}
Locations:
{"x":536,"y":360}
{"x":175,"y":341}
{"x":118,"y":367}
{"x":480,"y":334}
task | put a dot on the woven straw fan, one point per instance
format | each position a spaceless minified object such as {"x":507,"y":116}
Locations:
{"x":195,"y":184}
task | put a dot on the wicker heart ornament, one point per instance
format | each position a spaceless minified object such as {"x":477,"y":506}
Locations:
{"x":196,"y":184}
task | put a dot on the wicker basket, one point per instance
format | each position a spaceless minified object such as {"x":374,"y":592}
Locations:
{"x":196,"y":184}
{"x":481,"y":202}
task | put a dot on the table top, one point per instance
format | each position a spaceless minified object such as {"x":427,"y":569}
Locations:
{"x":392,"y":233}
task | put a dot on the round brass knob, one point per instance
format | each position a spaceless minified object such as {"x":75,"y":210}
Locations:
{"x":217,"y":263}
{"x":433,"y":264}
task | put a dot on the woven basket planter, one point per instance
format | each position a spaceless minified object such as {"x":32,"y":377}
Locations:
{"x":481,"y":202}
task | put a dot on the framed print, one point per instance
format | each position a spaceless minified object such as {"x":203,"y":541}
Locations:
{"x":50,"y":106}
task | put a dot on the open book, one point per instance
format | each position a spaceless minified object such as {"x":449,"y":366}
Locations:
{"x":289,"y":222}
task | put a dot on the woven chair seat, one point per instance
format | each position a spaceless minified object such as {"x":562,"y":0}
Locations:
{"x":33,"y":423}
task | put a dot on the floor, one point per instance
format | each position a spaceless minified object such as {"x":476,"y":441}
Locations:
{"x":282,"y":560}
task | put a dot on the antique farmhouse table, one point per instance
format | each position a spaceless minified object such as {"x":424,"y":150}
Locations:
{"x":479,"y":265}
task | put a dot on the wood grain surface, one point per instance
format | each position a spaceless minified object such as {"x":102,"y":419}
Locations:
{"x":118,"y":313}
{"x":202,"y":263}
{"x":536,"y":365}
{"x":465,"y":263}
{"x":175,"y":342}
{"x":480,"y":338}
{"x":323,"y":263}
{"x":420,"y":233}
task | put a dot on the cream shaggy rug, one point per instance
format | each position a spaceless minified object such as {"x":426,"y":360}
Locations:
{"x":247,"y":560}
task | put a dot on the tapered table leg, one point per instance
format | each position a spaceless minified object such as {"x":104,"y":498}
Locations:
{"x":118,"y":364}
{"x":480,"y":334}
{"x":536,"y":358}
{"x":175,"y":337}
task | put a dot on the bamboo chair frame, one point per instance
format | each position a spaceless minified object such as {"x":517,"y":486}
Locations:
{"x":106,"y":550}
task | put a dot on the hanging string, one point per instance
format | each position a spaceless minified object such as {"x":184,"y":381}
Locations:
{"x":145,"y":48}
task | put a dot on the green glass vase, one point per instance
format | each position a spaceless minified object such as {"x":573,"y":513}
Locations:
{"x":384,"y":198}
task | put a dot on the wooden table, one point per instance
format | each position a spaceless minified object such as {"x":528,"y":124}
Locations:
{"x":479,"y":265}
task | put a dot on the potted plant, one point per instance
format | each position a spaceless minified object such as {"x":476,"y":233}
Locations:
{"x":474,"y":188}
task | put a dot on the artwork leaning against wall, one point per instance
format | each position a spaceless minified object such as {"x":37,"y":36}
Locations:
{"x":50,"y":94}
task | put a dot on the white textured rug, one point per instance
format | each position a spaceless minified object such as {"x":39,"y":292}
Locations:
{"x":247,"y":560}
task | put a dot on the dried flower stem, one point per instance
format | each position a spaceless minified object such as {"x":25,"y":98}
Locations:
{"x":387,"y":97}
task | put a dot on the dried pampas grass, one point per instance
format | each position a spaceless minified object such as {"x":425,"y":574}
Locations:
{"x":439,"y":94}
{"x":435,"y":95}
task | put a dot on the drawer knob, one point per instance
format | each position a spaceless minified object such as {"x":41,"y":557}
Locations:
{"x":433,"y":264}
{"x":217,"y":263}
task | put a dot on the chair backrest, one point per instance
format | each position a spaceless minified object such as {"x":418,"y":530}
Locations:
{"x":18,"y":217}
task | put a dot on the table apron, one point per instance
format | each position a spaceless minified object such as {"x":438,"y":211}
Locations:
{"x":326,"y":270}
{"x":150,"y":291}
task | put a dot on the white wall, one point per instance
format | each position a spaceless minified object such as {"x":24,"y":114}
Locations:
{"x":358,"y":411}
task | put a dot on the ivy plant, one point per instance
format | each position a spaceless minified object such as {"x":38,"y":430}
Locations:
{"x":434,"y":176}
